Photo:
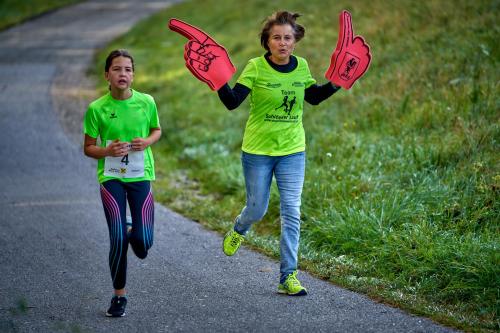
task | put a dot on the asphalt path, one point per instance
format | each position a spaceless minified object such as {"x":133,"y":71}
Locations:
{"x":54,"y":275}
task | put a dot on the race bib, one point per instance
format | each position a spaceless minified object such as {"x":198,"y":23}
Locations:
{"x":128,"y":166}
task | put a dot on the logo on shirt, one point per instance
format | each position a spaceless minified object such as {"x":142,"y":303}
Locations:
{"x":288,"y":101}
{"x":298,"y":84}
{"x":113,"y":115}
{"x":273,"y":85}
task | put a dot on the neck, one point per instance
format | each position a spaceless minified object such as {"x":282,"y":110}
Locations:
{"x":278,"y":61}
{"x":121,"y":94}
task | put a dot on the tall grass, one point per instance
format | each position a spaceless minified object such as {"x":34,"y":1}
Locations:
{"x":401,"y":197}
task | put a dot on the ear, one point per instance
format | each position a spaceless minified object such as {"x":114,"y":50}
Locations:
{"x":106,"y":76}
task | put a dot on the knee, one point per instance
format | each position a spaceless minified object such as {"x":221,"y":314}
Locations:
{"x":141,"y":254}
{"x":140,"y":247}
{"x":255,"y":213}
{"x":290,"y":214}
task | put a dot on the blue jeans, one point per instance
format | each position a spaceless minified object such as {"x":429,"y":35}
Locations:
{"x":289,"y":173}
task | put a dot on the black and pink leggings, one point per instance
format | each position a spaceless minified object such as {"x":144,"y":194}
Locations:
{"x":114,"y":195}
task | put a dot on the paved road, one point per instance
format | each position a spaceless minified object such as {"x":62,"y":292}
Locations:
{"x":53,"y":236}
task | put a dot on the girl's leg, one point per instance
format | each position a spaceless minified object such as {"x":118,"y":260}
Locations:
{"x":114,"y":203}
{"x":141,"y":203}
{"x":258,"y":172}
{"x":289,"y":173}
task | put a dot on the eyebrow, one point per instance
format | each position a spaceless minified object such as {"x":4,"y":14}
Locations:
{"x":279,"y":35}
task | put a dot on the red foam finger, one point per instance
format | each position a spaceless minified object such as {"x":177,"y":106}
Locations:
{"x":345,"y":22}
{"x":351,"y":57}
{"x":343,"y":41}
{"x":206,"y":59}
{"x":189,"y":31}
{"x":197,"y":75}
{"x":197,"y":47}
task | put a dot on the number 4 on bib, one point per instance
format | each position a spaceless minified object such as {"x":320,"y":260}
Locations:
{"x":124,"y":160}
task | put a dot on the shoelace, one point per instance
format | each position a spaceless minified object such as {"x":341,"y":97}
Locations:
{"x":235,"y":239}
{"x":292,"y":280}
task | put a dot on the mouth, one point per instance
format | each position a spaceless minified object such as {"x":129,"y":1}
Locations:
{"x":122,"y":81}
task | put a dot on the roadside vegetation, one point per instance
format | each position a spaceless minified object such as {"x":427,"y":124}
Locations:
{"x":15,"y":11}
{"x":402,"y":192}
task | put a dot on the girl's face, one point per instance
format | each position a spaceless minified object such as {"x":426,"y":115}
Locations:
{"x":120,"y":74}
{"x":281,"y":43}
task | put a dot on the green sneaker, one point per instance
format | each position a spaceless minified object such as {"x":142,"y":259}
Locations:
{"x":232,"y":242}
{"x":292,"y":286}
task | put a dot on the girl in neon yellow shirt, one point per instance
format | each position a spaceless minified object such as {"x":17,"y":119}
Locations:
{"x":126,"y":123}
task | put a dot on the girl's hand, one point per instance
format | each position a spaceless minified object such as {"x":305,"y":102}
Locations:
{"x":139,"y":144}
{"x":117,"y":148}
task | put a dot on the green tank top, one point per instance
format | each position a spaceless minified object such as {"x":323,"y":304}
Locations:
{"x":274,"y":126}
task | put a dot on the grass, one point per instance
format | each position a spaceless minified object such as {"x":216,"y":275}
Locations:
{"x":14,"y":11}
{"x":401,"y":196}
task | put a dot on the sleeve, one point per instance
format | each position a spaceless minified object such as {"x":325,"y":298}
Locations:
{"x":154,"y":120}
{"x":248,"y":76}
{"x":309,"y":80}
{"x":91,"y":123}
{"x":232,"y":98}
{"x":316,"y":94}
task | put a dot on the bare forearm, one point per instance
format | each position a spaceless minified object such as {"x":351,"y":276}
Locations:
{"x":95,"y":151}
{"x":115,"y":148}
{"x":139,"y":144}
{"x":154,"y":136}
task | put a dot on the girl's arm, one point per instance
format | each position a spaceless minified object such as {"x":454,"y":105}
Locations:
{"x":232,"y":98}
{"x":116,"y":148}
{"x":316,"y":94}
{"x":141,"y":143}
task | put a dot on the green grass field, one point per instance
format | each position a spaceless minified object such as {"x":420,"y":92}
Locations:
{"x":401,"y":197}
{"x":15,"y":11}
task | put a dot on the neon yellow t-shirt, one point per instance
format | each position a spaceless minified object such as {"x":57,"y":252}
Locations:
{"x":111,"y":119}
{"x":274,"y":126}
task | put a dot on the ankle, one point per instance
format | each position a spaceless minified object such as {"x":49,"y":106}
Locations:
{"x":120,"y":292}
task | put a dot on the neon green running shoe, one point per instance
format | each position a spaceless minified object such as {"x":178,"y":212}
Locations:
{"x":232,"y":242}
{"x":292,"y":286}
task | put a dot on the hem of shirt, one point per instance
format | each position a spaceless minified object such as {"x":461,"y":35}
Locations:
{"x":273,"y":153}
{"x":126,"y":180}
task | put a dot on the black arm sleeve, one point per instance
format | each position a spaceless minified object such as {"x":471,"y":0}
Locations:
{"x":316,"y":94}
{"x":232,"y":98}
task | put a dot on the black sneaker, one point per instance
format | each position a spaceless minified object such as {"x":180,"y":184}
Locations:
{"x":117,"y":308}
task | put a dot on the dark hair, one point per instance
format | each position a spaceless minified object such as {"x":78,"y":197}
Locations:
{"x":115,"y":54}
{"x":281,"y":18}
